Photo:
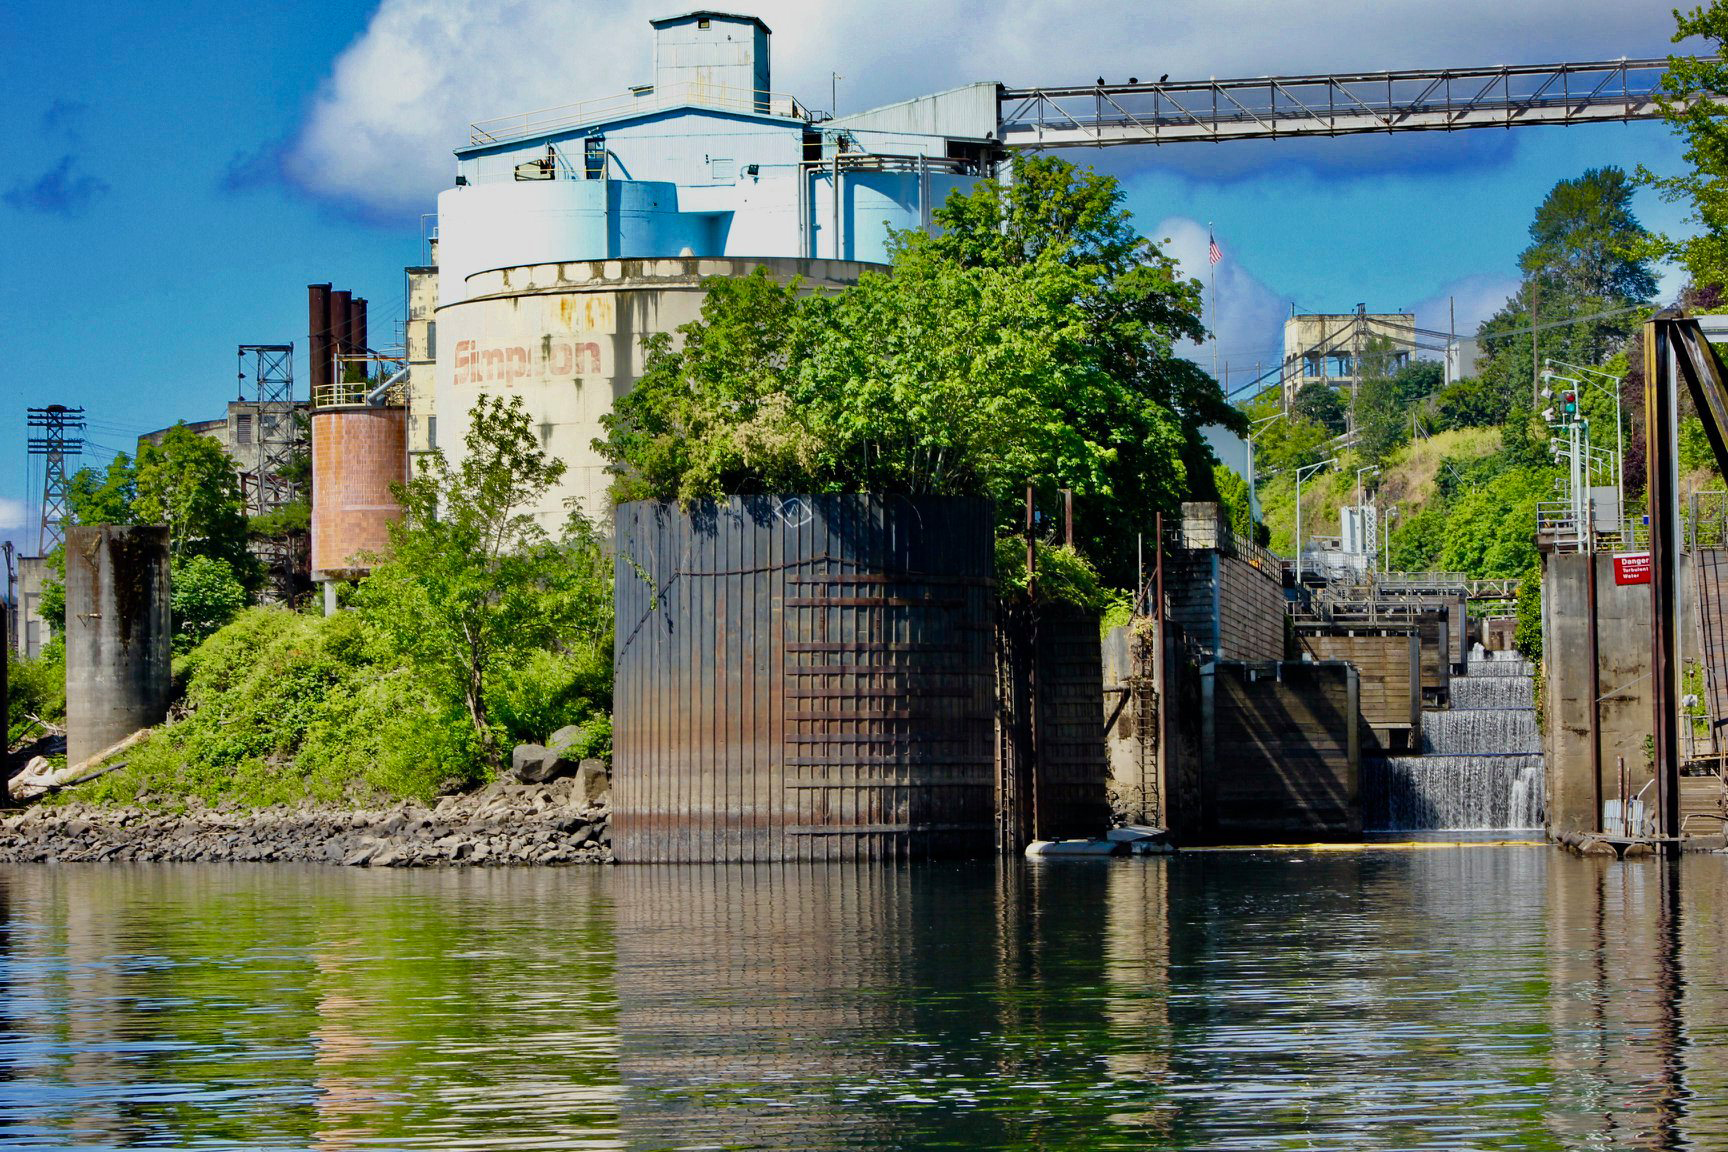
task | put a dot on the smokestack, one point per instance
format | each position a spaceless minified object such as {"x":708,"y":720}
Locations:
{"x":357,"y":324}
{"x":318,"y":337}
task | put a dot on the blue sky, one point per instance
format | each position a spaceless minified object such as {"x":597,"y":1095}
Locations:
{"x":176,"y":174}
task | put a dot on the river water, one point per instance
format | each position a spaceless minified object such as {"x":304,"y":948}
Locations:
{"x":1480,"y":997}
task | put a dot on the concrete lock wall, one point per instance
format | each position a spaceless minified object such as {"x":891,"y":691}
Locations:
{"x":1390,"y":693}
{"x":1280,"y":752}
{"x":1226,"y":602}
{"x":118,"y":635}
{"x":1623,"y":664}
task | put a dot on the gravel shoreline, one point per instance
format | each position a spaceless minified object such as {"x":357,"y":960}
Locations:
{"x":503,"y":824}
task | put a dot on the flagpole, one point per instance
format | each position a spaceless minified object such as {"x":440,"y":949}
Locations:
{"x":1212,"y":267}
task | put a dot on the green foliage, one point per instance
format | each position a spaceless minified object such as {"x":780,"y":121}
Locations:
{"x":1527,"y":635}
{"x":104,"y":497}
{"x":1468,"y":403}
{"x":473,"y":588}
{"x":1588,"y":255}
{"x":1696,"y":87}
{"x":1031,"y":339}
{"x":1062,"y":574}
{"x":1233,"y":495}
{"x":285,"y":707}
{"x":34,"y":688}
{"x":204,"y":596}
{"x":1384,"y":405}
{"x":1319,"y":403}
{"x":188,"y":483}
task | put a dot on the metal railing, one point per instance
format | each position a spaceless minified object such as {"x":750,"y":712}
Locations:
{"x":543,"y":121}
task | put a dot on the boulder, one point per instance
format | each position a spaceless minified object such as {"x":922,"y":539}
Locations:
{"x":593,"y":783}
{"x":536,"y":764}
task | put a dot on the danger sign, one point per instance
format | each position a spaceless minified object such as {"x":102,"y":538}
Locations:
{"x":1632,"y":568}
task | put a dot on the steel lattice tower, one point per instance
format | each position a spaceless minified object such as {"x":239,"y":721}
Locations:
{"x":55,"y":446}
{"x":278,"y":433}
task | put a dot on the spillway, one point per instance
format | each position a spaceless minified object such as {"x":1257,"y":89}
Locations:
{"x":1480,"y":764}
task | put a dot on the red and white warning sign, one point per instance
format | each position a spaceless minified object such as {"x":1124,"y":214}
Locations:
{"x":1632,"y":568}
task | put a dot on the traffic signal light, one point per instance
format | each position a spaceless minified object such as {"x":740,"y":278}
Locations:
{"x":1569,"y":403}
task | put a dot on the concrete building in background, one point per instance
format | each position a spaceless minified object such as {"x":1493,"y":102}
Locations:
{"x":570,"y":234}
{"x":1328,"y":348}
{"x":32,"y":633}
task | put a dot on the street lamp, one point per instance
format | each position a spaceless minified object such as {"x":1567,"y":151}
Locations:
{"x":1304,"y":471}
{"x":1254,"y":430}
{"x":1601,"y":382}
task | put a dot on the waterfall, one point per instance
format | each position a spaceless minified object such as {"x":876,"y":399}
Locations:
{"x":1480,"y":765}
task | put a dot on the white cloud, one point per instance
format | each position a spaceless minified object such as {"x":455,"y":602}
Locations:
{"x":1248,"y":320}
{"x":380,"y":131}
{"x":1465,"y":302}
{"x":11,"y":514}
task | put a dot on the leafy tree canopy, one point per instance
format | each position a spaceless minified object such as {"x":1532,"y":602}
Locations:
{"x":1696,"y":87}
{"x":474,"y":592}
{"x":1031,"y":339}
{"x":1319,"y":403}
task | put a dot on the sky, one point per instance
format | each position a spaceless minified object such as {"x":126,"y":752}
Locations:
{"x":175,"y":175}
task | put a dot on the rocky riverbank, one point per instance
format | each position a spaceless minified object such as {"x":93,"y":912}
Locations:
{"x":505,"y":823}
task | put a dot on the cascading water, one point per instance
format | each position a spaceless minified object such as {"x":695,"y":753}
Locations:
{"x":1480,"y":766}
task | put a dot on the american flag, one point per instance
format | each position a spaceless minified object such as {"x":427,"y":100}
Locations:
{"x":1213,"y":252}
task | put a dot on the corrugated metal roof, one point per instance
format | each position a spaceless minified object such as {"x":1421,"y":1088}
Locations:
{"x":710,"y":13}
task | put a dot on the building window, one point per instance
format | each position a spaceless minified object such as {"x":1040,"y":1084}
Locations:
{"x":431,"y":431}
{"x":722,"y":170}
{"x":243,"y":428}
{"x":431,"y":339}
{"x":594,"y":158}
{"x":1311,"y":364}
{"x":1338,"y":365}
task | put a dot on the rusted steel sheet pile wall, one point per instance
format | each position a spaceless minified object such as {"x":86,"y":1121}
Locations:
{"x":1391,"y":686}
{"x":1054,"y":769}
{"x":804,"y":678}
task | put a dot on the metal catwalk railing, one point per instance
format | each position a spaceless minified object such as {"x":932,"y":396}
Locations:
{"x":1267,"y":107}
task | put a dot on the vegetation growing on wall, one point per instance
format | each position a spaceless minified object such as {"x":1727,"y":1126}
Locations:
{"x":1032,"y":339}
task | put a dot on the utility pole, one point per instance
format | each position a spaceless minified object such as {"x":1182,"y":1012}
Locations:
{"x":56,"y":443}
{"x":1360,"y":323}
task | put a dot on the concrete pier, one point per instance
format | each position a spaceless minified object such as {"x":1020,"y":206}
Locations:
{"x":118,"y":635}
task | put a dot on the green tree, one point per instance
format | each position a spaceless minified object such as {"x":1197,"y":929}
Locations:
{"x":473,"y":588}
{"x":1696,"y":88}
{"x":1384,"y":405}
{"x":188,"y":483}
{"x":1586,"y":266}
{"x":1031,"y":340}
{"x":204,"y":596}
{"x":1319,"y":403}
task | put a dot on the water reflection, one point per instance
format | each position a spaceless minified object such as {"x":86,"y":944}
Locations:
{"x":1448,"y":998}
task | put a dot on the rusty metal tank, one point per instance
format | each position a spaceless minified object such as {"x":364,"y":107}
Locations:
{"x":358,"y":452}
{"x":804,"y":678}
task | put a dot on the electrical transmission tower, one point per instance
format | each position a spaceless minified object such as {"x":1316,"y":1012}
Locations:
{"x":278,"y":435}
{"x":50,"y":440}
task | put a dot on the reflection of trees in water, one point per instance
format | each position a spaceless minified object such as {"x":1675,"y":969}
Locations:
{"x":316,"y":1007}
